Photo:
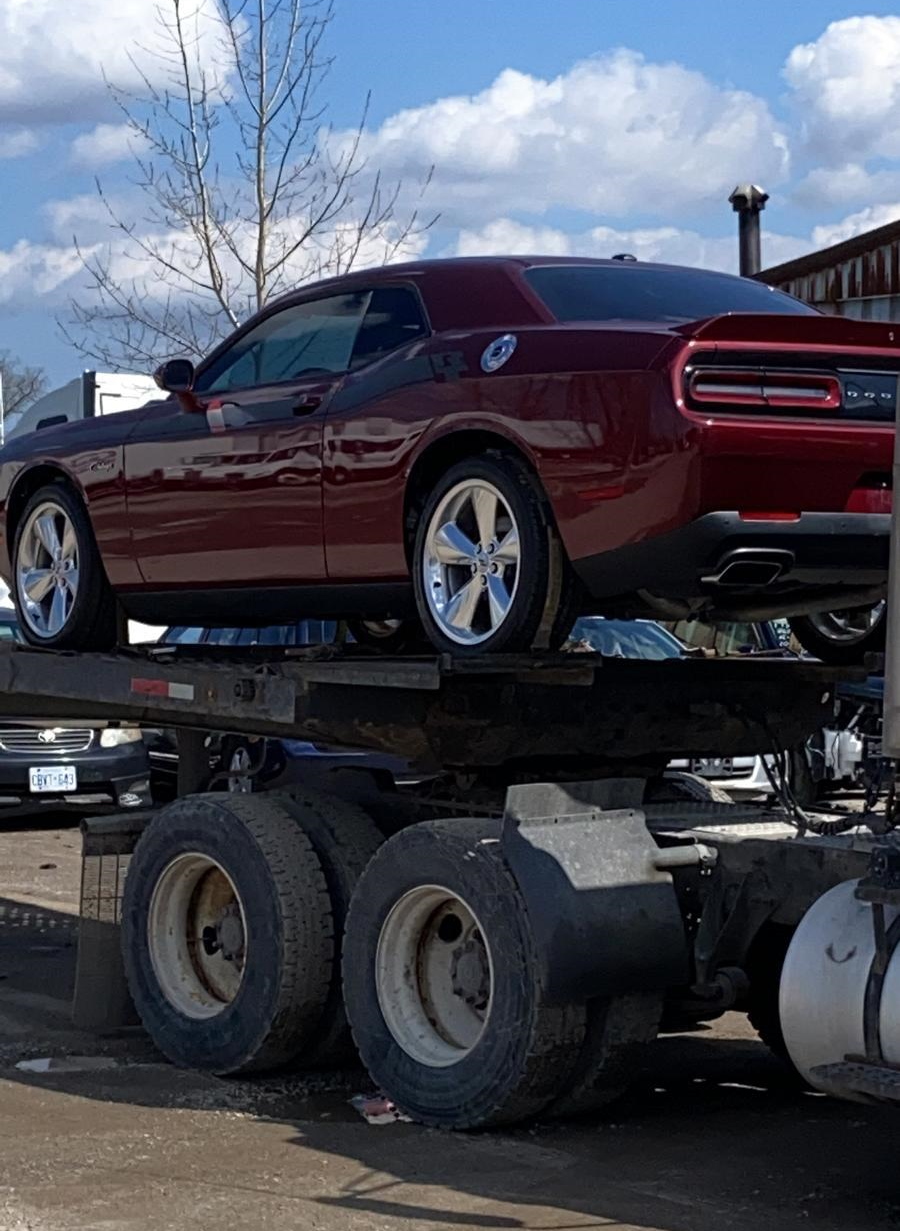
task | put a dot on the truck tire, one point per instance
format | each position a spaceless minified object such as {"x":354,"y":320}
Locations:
{"x":345,"y":839}
{"x":765,"y":960}
{"x":227,"y":935}
{"x":619,"y":1029}
{"x":442,"y":982}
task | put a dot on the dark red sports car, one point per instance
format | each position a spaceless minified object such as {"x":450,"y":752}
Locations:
{"x":483,"y":448}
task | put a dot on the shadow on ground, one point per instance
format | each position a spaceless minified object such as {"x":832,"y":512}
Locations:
{"x":717,"y":1135}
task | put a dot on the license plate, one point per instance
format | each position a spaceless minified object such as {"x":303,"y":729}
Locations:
{"x":56,"y":779}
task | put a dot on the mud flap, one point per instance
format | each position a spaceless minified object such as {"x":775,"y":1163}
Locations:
{"x":605,"y":918}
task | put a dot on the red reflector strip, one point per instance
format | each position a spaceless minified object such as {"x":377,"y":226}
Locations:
{"x":748,"y":515}
{"x":603,"y":493}
{"x":162,"y":688}
{"x":870,"y":500}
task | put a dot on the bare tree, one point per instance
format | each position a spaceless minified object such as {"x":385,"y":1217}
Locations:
{"x":246,"y":191}
{"x":21,"y":384}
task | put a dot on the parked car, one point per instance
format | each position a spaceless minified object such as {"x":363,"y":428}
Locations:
{"x":243,"y":763}
{"x":84,"y":768}
{"x":488,"y":446}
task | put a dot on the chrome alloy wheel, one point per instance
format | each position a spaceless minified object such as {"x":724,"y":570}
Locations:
{"x":847,"y":627}
{"x":470,"y":562}
{"x":197,"y":936}
{"x":47,"y":572}
{"x":434,"y":976}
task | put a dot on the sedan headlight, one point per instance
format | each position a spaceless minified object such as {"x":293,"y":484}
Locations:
{"x":114,"y":737}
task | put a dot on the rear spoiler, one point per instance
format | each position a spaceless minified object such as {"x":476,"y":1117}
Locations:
{"x":834,"y":332}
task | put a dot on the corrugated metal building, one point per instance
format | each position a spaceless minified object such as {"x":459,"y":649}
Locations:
{"x":859,"y":277}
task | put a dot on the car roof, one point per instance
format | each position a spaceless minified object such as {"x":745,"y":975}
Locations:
{"x":472,"y":292}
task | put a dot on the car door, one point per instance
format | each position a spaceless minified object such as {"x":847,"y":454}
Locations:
{"x":229,"y":494}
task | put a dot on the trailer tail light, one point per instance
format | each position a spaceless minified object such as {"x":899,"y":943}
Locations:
{"x":728,"y":387}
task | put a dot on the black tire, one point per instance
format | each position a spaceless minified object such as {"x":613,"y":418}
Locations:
{"x":279,"y":1005}
{"x":804,"y":787}
{"x":92,"y":623}
{"x":840,"y":652}
{"x":527,"y":1047}
{"x":389,"y":636}
{"x":619,"y":1030}
{"x":764,"y":964}
{"x":345,"y":839}
{"x":544,"y":608}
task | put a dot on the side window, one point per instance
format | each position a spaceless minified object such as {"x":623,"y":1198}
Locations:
{"x":307,"y":339}
{"x":223,"y":636}
{"x":392,"y":319}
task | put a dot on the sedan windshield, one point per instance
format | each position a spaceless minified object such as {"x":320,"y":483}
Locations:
{"x":634,"y":292}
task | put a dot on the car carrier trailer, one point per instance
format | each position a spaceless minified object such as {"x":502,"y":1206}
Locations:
{"x":501,"y":936}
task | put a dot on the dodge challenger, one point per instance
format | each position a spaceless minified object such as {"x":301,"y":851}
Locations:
{"x":473,"y":452}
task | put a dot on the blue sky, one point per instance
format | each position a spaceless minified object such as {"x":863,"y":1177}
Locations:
{"x":580,"y":125}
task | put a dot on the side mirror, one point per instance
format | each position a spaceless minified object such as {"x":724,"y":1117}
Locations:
{"x":175,"y":376}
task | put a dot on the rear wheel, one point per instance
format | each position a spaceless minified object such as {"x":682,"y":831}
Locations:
{"x":442,"y":982}
{"x":388,"y":636}
{"x":60,"y":589}
{"x":843,"y":637}
{"x":227,"y":934}
{"x":489,"y":570}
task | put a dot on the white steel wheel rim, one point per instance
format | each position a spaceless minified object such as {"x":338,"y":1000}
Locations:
{"x":47,"y":570}
{"x":847,"y":627}
{"x":196,"y":931}
{"x":471,"y":562}
{"x":434,"y":976}
{"x":239,"y":780}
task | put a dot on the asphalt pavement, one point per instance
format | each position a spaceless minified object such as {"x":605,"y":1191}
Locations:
{"x":105,"y":1134}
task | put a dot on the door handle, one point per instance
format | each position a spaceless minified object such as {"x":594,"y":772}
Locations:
{"x":307,"y":404}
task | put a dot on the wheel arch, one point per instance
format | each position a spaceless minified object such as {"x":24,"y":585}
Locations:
{"x":30,"y":481}
{"x":444,"y":451}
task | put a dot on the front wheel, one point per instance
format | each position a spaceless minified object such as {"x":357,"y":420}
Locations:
{"x":62,"y":596}
{"x":843,"y":637}
{"x":489,"y":571}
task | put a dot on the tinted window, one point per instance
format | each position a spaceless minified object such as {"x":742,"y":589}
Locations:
{"x":9,"y":632}
{"x":392,"y":319}
{"x":307,"y":339}
{"x":634,"y":292}
{"x":223,"y":636}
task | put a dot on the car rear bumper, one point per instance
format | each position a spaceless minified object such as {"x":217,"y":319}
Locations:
{"x":757,"y":567}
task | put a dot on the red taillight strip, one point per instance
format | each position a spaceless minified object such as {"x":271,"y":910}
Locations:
{"x":711,"y":386}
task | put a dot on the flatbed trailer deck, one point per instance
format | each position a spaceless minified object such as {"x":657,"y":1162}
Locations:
{"x":507,"y":962}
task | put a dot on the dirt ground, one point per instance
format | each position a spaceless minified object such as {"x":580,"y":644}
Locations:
{"x":716,"y":1136}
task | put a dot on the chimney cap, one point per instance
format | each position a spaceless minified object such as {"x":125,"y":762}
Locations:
{"x":748,"y":197}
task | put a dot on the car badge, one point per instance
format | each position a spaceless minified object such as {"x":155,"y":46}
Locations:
{"x":496,"y":354}
{"x":47,"y":736}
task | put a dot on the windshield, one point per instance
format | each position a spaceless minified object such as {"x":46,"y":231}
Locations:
{"x":634,"y":292}
{"x":624,"y":639}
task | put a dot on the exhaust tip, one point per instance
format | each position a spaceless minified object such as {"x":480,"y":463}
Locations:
{"x":751,"y":569}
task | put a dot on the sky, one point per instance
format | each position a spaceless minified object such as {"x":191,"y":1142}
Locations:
{"x":561,"y":126}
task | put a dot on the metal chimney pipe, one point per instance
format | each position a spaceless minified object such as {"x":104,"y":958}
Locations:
{"x":748,"y":201}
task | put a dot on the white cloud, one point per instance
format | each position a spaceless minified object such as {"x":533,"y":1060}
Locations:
{"x":613,"y":135}
{"x":18,"y":142}
{"x":667,"y":244}
{"x":56,"y":55}
{"x":107,"y":143}
{"x":855,"y":224}
{"x":847,"y":89}
{"x":827,"y":187}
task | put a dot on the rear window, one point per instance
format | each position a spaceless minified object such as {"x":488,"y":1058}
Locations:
{"x":632,"y":292}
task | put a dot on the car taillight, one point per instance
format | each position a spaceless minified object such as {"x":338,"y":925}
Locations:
{"x":752,"y":387}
